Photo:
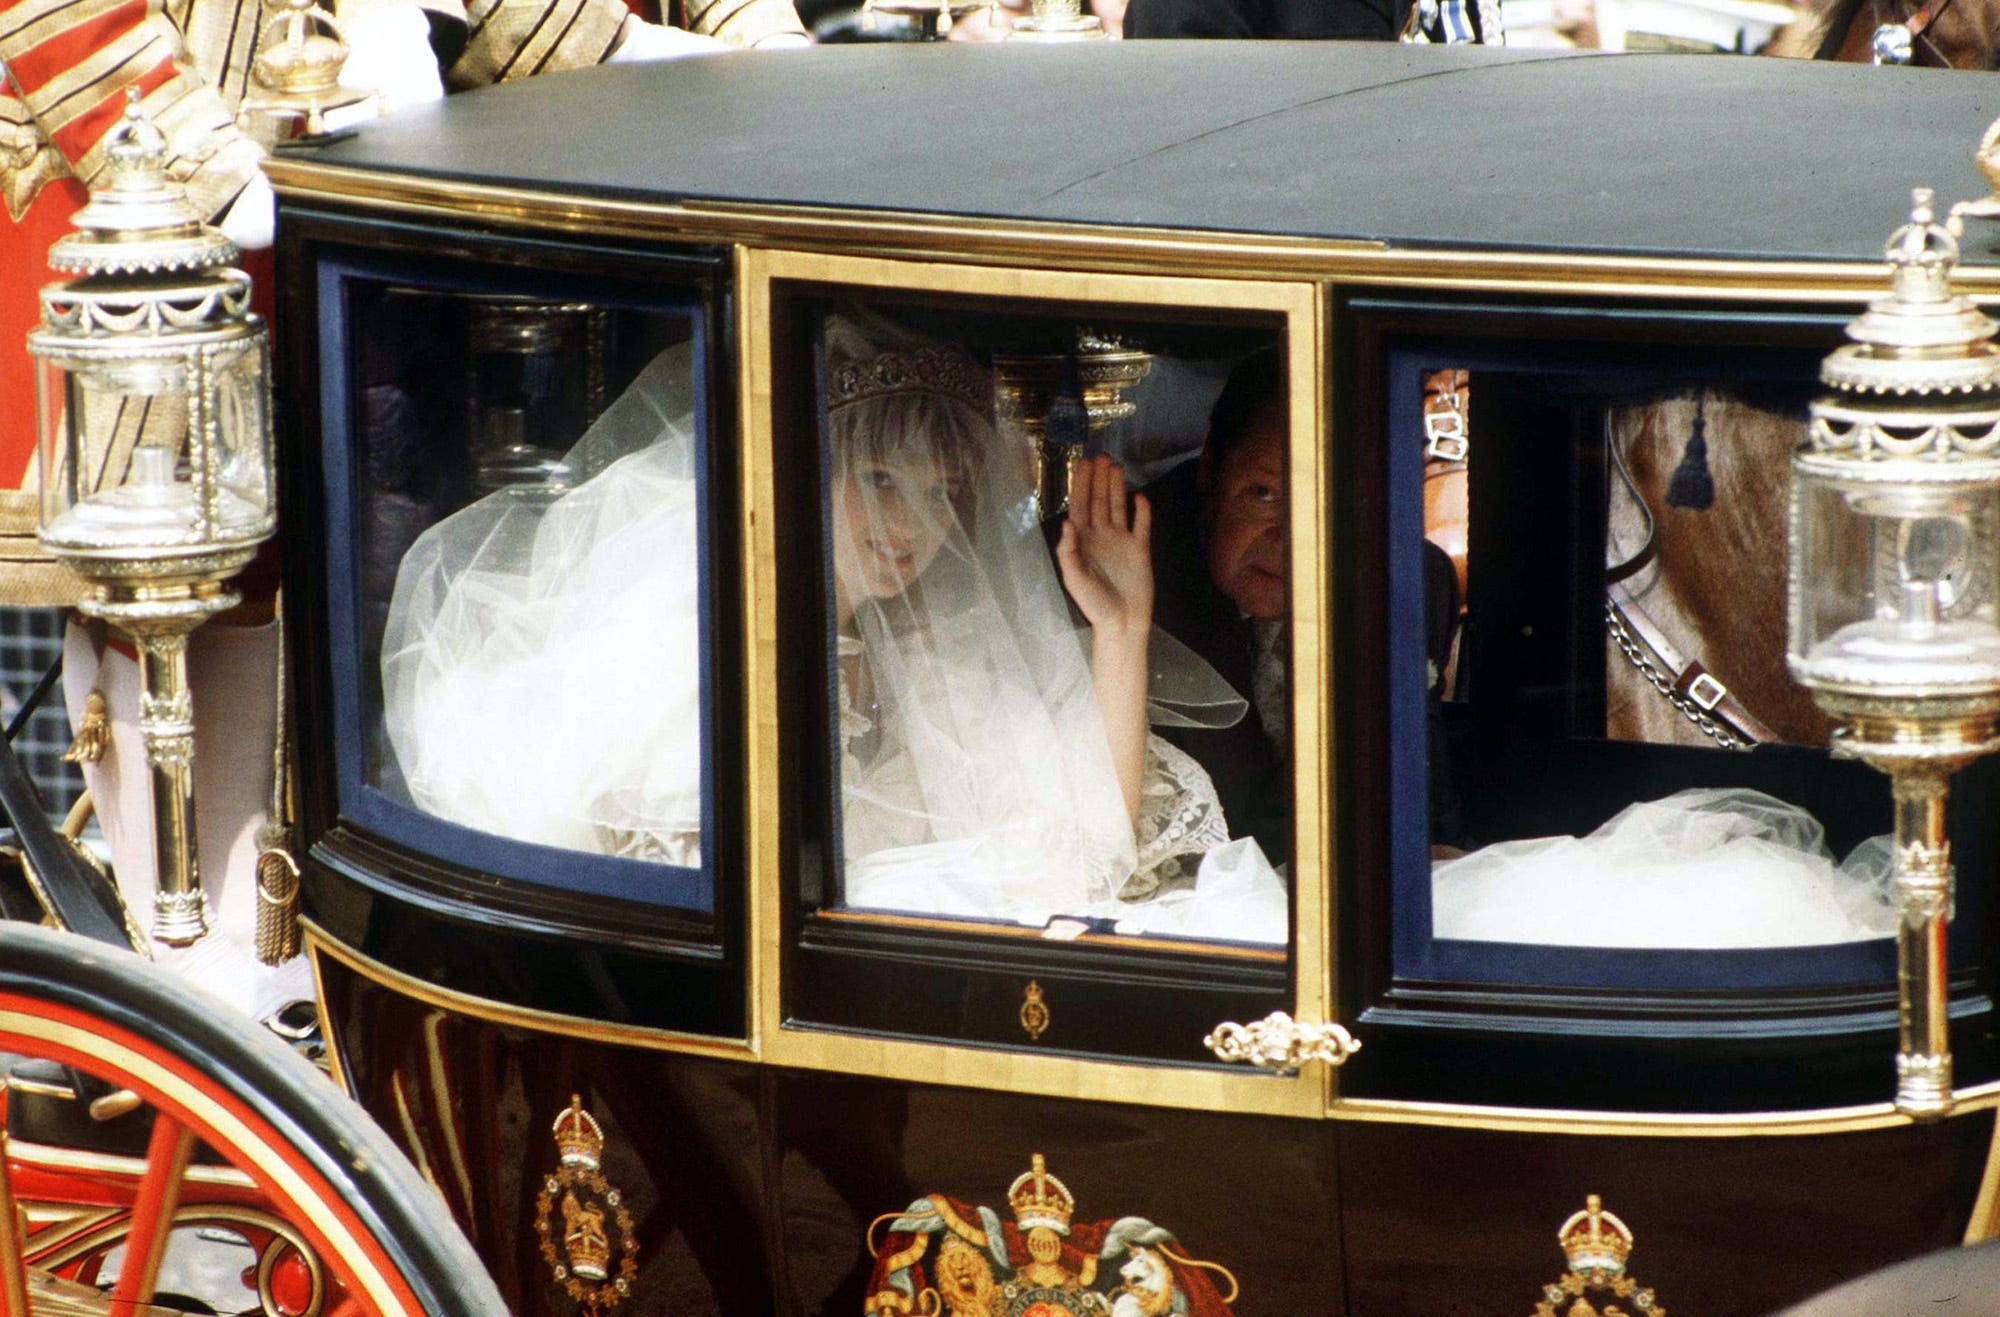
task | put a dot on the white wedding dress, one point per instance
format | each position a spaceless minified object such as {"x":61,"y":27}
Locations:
{"x":541,"y":666}
{"x":1701,"y":869}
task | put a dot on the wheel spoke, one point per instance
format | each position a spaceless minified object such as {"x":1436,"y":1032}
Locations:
{"x":13,"y":1265}
{"x":167,"y":1156}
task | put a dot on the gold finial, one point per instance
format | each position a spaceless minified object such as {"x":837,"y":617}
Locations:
{"x":1921,"y":339}
{"x":297,"y":69}
{"x":138,"y":218}
{"x":136,"y":145}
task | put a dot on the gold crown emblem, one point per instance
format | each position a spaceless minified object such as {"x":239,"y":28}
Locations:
{"x":578,"y":1137}
{"x":940,"y":371}
{"x":1595,"y":1241}
{"x":1040,"y":1200}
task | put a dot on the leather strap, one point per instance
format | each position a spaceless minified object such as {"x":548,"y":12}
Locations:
{"x":1691,"y":681}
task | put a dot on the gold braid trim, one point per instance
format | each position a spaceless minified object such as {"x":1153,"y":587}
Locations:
{"x":1215,"y":1267}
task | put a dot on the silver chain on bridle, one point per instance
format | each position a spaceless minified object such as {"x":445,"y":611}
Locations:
{"x":1637,"y":655}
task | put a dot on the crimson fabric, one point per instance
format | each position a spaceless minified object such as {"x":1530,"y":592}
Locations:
{"x":24,"y":268}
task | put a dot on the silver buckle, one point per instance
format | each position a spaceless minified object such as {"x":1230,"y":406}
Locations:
{"x":1444,"y":436}
{"x":1707,"y":692}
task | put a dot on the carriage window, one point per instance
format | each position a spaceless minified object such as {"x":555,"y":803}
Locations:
{"x":522,"y":483}
{"x":1617,"y":766}
{"x":1054,"y":560}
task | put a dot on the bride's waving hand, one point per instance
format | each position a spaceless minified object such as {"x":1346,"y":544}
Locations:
{"x":1106,"y":559}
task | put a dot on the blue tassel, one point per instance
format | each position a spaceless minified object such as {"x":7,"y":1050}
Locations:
{"x":1692,"y":486}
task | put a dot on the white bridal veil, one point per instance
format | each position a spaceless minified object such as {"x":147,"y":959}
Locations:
{"x":541,"y":665}
{"x":1704,"y":868}
{"x":976,"y":778}
{"x":541,"y":673}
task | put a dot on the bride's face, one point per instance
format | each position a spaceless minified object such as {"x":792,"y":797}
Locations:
{"x":890,"y":514}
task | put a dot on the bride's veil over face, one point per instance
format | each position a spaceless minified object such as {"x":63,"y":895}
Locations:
{"x":975,"y":775}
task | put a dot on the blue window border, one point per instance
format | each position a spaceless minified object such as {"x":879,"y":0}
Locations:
{"x":369,"y":807}
{"x":1415,"y":954}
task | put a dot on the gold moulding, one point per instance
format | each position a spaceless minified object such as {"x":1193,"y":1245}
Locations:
{"x":1063,"y":246}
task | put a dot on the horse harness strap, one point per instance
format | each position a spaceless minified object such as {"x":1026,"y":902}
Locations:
{"x":1916,"y":29}
{"x":1445,"y":439}
{"x":1685,"y":683}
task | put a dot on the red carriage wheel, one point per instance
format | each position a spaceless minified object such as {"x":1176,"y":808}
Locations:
{"x":244,"y":1136}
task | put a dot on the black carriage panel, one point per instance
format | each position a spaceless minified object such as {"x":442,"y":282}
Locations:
{"x":527,"y":686}
{"x":1595,"y":832}
{"x":928,"y":652}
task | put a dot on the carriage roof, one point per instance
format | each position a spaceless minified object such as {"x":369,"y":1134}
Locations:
{"x":1409,"y":147}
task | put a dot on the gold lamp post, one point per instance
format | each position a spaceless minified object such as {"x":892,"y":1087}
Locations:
{"x":154,"y":454}
{"x":1895,"y":590}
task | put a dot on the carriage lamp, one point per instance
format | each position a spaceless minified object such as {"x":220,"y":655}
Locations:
{"x":296,"y":75}
{"x":1057,"y":20}
{"x":154,"y":453}
{"x":1895,"y":590}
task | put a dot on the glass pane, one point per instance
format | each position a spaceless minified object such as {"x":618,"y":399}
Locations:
{"x":528,"y":583}
{"x":96,"y":416}
{"x":1616,"y":756}
{"x":1056,"y":569}
{"x":243,"y":474}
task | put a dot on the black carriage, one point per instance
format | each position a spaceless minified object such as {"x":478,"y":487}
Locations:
{"x":1531,"y":279}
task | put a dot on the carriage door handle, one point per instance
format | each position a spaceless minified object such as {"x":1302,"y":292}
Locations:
{"x":1280,"y":1044}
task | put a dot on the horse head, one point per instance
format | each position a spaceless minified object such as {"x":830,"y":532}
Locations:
{"x":1957,"y":34}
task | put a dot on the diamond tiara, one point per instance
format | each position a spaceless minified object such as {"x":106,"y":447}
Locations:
{"x":940,"y":371}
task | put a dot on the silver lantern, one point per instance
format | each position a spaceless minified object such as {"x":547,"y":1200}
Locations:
{"x":1895,"y":561}
{"x":155,"y":453}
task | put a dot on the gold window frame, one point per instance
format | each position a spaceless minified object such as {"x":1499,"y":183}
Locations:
{"x":1302,"y":307}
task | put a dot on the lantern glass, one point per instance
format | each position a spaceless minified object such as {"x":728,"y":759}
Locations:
{"x":156,"y":452}
{"x":1894,"y":577}
{"x":242,"y":460}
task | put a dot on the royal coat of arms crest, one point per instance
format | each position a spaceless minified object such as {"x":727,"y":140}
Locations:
{"x":941,"y":1257}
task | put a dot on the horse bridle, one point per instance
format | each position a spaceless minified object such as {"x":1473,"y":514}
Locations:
{"x":1687,"y":684}
{"x":1903,"y":39}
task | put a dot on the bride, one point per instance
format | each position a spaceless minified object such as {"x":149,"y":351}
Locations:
{"x":995,"y":761}
{"x":541,"y":666}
